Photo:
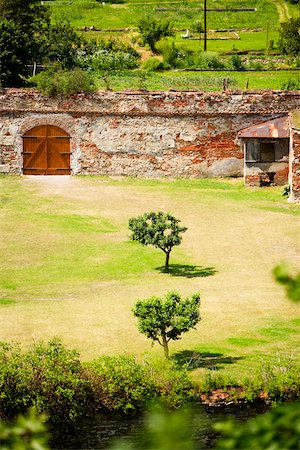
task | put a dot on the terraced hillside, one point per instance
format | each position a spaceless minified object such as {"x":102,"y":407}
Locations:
{"x":250,"y":28}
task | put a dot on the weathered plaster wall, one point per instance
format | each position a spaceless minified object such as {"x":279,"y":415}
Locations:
{"x":190,"y":134}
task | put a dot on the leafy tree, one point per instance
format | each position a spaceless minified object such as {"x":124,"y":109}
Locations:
{"x":30,"y":14}
{"x":152,"y":30}
{"x":289,"y":37}
{"x":62,"y":45}
{"x":159,"y":229}
{"x":163,"y":320}
{"x":22,"y":30}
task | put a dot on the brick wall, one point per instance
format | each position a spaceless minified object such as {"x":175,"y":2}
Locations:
{"x":294,"y":169}
{"x":178,"y":134}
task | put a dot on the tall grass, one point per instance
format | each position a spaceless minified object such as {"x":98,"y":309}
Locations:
{"x":206,"y":80}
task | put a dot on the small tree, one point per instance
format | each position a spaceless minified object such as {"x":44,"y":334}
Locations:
{"x":289,"y":37}
{"x":152,"y":30}
{"x":159,"y":229}
{"x":165,"y":320}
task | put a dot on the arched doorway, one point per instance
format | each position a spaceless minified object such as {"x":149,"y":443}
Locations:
{"x":46,"y":151}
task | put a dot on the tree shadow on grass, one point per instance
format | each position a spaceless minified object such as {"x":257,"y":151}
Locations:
{"x":208,"y":360}
{"x":188,"y":271}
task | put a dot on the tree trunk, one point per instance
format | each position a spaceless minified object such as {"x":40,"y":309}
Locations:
{"x":167,"y":260}
{"x":165,"y":346}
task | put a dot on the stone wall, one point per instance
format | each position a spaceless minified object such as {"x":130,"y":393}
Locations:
{"x":151,"y":134}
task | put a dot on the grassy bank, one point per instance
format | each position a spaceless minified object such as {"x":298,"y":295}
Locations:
{"x":68,"y":268}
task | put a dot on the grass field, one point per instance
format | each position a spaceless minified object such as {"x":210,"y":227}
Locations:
{"x":192,"y":80}
{"x":247,"y":32}
{"x":183,"y":15}
{"x":68,"y":268}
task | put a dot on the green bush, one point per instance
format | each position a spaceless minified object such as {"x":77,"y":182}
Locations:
{"x":197,"y":26}
{"x":56,"y":81}
{"x":15,"y":376}
{"x":153,"y":64}
{"x":237,"y":63}
{"x":58,"y":386}
{"x":120,"y":383}
{"x":48,"y":377}
{"x":278,"y":378}
{"x":213,"y":381}
{"x":107,"y":56}
{"x":209,"y":60}
{"x":174,"y":386}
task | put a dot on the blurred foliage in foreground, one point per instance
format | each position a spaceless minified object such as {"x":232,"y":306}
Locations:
{"x":277,"y":429}
{"x":291,"y":284}
{"x":25,"y":433}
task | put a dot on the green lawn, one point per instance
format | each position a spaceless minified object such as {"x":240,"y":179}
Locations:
{"x":68,"y":268}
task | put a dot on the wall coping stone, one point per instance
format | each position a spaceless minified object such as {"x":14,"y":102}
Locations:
{"x":145,"y":103}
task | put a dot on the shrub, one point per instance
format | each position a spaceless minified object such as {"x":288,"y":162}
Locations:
{"x":56,"y":81}
{"x":277,"y":377}
{"x":175,"y":57}
{"x":213,"y":381}
{"x":197,"y":27}
{"x":57,"y":385}
{"x":120,"y":383}
{"x":237,"y":63}
{"x":15,"y":377}
{"x":107,"y":56}
{"x":48,"y":377}
{"x":209,"y":60}
{"x":152,"y":64}
{"x":255,"y":65}
{"x":173,"y":385}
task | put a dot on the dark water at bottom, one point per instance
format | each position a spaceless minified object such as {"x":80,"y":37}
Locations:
{"x":100,"y":432}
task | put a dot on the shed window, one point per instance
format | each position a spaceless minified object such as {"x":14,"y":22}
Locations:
{"x":252,"y":152}
{"x":267,"y":151}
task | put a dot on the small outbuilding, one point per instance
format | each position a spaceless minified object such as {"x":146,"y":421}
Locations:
{"x":266,"y":149}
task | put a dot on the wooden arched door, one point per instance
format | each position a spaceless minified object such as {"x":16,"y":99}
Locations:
{"x":46,"y":151}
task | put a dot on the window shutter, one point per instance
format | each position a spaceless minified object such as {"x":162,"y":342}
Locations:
{"x":252,"y":151}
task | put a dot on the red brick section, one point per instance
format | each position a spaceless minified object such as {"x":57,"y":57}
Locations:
{"x":295,"y":166}
{"x":252,"y":180}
